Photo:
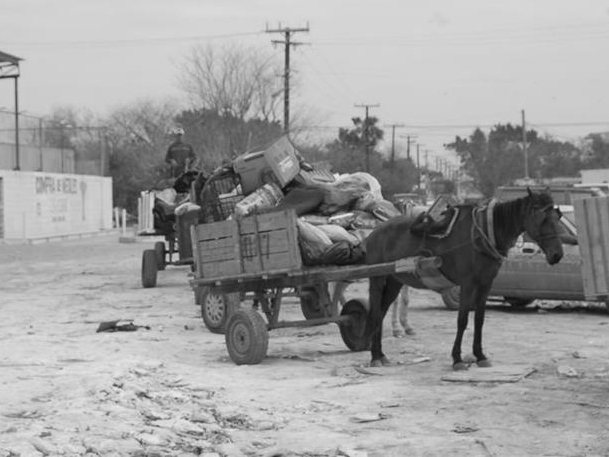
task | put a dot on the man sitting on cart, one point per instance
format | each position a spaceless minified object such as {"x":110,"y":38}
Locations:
{"x":180,"y":155}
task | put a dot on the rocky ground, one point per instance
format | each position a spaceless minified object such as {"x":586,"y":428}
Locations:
{"x":169,"y":388}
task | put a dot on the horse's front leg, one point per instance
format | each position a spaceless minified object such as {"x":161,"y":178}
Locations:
{"x":481,"y":296}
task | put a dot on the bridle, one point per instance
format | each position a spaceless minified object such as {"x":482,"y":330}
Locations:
{"x":544,"y":210}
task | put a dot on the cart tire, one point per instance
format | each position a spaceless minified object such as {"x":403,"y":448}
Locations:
{"x":351,"y":332}
{"x":216,"y":308}
{"x":518,"y":302}
{"x":149,"y":268}
{"x":159,"y":248}
{"x":451,"y":299}
{"x":247,"y":337}
{"x":309,"y":303}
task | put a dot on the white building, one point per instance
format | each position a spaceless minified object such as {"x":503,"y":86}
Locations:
{"x":37,"y":205}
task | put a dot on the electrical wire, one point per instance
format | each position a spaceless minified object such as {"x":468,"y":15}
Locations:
{"x":126,"y":42}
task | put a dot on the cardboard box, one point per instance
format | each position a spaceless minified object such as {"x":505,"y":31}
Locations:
{"x":276,"y":163}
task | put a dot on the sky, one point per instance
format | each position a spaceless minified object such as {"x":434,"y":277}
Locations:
{"x":434,"y":68}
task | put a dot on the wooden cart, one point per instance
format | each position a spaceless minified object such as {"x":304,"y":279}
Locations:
{"x":259,"y":257}
{"x":216,"y":200}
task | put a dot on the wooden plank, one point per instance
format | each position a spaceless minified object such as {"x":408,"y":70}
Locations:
{"x":195,"y":244}
{"x":294,"y":256}
{"x":602,"y":208}
{"x":278,"y":242}
{"x":583,"y":240}
{"x":236,"y":225}
{"x":220,"y":269}
{"x":595,"y":240}
{"x":279,"y":221}
{"x":270,"y":262}
{"x":212,"y":230}
{"x":506,"y":373}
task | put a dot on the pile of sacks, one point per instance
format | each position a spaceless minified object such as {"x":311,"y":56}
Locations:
{"x":334,"y":218}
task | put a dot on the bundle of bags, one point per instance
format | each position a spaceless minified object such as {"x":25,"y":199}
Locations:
{"x":334,"y":218}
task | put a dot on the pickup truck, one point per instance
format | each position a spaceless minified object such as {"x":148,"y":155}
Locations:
{"x":525,"y":275}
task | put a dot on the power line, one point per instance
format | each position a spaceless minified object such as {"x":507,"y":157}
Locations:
{"x":125,"y":42}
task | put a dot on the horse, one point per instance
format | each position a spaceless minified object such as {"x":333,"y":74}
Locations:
{"x":471,"y":255}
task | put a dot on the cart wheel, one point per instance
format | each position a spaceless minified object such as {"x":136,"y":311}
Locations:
{"x":159,"y":248}
{"x":309,"y":303}
{"x":216,"y":308}
{"x":351,"y":332}
{"x":247,"y":337}
{"x":149,"y":268}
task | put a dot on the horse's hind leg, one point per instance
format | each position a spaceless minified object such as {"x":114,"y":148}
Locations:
{"x":383,"y":291}
{"x":399,"y":314}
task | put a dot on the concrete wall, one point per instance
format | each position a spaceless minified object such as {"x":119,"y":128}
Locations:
{"x":38,"y":204}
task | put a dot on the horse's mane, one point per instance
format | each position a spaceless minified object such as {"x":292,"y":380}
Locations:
{"x":508,"y":221}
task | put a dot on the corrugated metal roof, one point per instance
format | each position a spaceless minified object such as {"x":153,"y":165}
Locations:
{"x":4,"y":57}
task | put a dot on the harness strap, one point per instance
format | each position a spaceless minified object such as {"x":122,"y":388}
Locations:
{"x":490,"y":227}
{"x":488,"y":235}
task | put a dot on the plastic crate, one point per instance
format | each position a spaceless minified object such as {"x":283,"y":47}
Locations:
{"x":221,"y":192}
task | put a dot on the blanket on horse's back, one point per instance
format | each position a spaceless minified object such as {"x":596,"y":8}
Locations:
{"x":438,"y":220}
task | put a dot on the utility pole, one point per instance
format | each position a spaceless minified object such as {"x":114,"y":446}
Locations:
{"x":410,"y":140}
{"x":524,"y":147}
{"x":288,"y":43}
{"x":366,"y":144}
{"x":418,"y":169}
{"x":393,"y":127}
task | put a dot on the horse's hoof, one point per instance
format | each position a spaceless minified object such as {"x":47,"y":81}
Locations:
{"x":459,"y":366}
{"x":484,"y":363}
{"x":399,"y":333}
{"x":376,"y":363}
{"x":386,"y":362}
{"x":409,"y":331}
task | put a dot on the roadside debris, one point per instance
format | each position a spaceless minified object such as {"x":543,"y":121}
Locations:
{"x":565,"y":370}
{"x":119,"y":326}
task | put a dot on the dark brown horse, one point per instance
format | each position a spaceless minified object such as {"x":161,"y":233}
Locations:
{"x":471,"y":257}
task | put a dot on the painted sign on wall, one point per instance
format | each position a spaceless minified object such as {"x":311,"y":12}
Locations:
{"x":40,"y":204}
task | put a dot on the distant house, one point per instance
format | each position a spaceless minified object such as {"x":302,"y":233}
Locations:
{"x":598,"y":175}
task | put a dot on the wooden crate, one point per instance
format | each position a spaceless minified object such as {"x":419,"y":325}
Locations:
{"x":592,"y":216}
{"x":255,"y":244}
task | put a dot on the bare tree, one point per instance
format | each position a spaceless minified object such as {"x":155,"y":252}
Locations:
{"x":232,"y":80}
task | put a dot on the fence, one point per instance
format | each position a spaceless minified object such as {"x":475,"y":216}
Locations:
{"x":51,"y":146}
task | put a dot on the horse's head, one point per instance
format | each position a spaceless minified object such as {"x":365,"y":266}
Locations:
{"x":541,"y":224}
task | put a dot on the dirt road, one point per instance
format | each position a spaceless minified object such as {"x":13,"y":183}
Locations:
{"x":172,"y":390}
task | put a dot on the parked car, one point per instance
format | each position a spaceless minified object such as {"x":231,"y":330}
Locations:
{"x":525,"y":275}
